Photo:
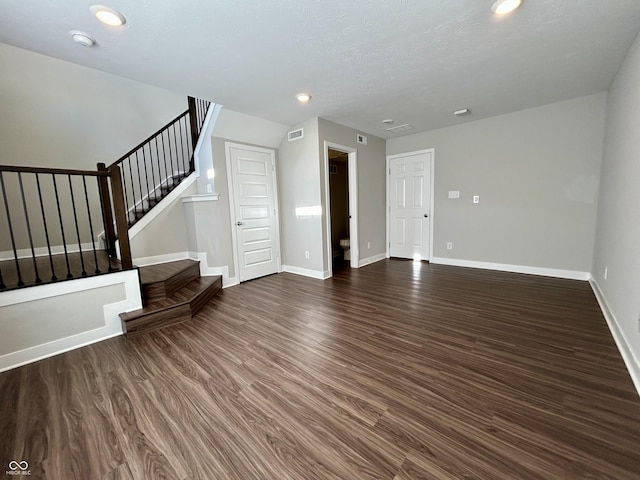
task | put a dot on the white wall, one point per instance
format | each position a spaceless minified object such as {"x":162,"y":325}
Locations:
{"x":165,"y":235}
{"x":617,"y":246}
{"x":46,"y":320}
{"x":536,"y":172}
{"x":371,"y":185}
{"x":299,"y":185}
{"x":59,"y":114}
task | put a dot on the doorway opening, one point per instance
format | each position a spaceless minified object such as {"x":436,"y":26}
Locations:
{"x":341,"y":197}
{"x":339,"y":209}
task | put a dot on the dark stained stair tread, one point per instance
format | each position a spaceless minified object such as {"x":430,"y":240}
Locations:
{"x":160,"y":281}
{"x":172,"y":293}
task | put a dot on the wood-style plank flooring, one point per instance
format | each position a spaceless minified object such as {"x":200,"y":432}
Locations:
{"x":398,"y":370}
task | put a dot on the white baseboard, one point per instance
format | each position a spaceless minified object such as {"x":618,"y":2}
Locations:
{"x":631,"y":362}
{"x":305,"y":272}
{"x":112,"y":324}
{"x":205,"y":269}
{"x":369,"y":260}
{"x":44,"y":251}
{"x":503,"y":267}
{"x":155,"y":259}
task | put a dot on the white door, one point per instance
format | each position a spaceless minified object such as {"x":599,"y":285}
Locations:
{"x":254,"y":208}
{"x":410,"y":205}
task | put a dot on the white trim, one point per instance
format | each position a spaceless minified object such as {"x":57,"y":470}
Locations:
{"x":632,"y":363}
{"x":353,"y":204}
{"x":205,"y":134}
{"x":202,"y":197}
{"x":164,"y":204}
{"x":232,"y":210}
{"x":55,"y":250}
{"x":503,"y":267}
{"x":432,"y":187}
{"x":305,"y":272}
{"x":156,"y":259}
{"x":376,"y":258}
{"x":111,"y":328}
{"x":207,"y":271}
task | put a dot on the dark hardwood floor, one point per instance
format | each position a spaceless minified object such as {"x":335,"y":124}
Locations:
{"x":398,"y":370}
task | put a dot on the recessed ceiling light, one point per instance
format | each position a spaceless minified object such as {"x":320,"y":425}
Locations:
{"x":502,"y":7}
{"x":388,"y":121}
{"x":108,"y":16}
{"x":82,"y":38}
{"x":303,"y":97}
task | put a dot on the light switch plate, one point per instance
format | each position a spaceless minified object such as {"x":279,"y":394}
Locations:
{"x":454,"y":193}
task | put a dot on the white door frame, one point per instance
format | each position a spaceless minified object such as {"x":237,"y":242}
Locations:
{"x":232,"y":209}
{"x":432,"y":151}
{"x":353,"y":202}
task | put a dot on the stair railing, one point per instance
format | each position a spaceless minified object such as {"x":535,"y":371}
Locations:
{"x":157,"y":165}
{"x":50,"y":220}
{"x":52,"y":215}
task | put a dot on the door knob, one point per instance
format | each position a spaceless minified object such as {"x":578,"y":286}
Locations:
{"x":426,"y":215}
{"x":238,"y":223}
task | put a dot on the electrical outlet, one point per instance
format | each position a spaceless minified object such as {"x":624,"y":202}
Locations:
{"x":606,"y":272}
{"x":476,"y":199}
{"x":449,"y":246}
{"x":306,"y":254}
{"x":368,"y":245}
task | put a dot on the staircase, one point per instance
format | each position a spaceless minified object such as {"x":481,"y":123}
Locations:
{"x":172,"y":293}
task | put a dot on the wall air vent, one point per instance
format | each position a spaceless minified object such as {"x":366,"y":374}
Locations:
{"x":295,"y":134}
{"x":401,"y":128}
{"x":361,"y":139}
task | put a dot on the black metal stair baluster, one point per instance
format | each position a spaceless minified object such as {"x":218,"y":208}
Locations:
{"x":64,"y":240}
{"x":184,"y":166}
{"x":146,"y":178}
{"x":153,"y":177}
{"x":28,"y":223}
{"x":135,"y":217}
{"x":93,"y":238}
{"x":46,"y":230}
{"x":75,"y":220}
{"x":169,"y":169}
{"x":156,"y":186}
{"x":155,"y":191}
{"x":124,"y":184}
{"x":175,"y":143}
{"x":13,"y":242}
{"x":174,"y":168}
{"x":133,"y":192}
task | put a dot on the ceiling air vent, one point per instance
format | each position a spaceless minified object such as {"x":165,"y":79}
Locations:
{"x":401,"y":128}
{"x":295,"y":134}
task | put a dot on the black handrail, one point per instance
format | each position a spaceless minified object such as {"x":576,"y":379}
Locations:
{"x":157,"y":165}
{"x":41,"y":207}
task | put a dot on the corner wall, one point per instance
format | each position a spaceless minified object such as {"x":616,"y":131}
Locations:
{"x":617,"y":244}
{"x":58,"y":114}
{"x":371,"y":188}
{"x":536,"y":172}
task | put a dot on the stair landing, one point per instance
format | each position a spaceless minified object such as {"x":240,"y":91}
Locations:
{"x":172,"y":293}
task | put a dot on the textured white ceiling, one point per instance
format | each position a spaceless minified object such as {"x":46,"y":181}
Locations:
{"x":363,"y":61}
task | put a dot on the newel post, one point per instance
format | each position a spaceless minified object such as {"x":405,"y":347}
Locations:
{"x":120,"y":210}
{"x":193,"y":123}
{"x":107,"y":213}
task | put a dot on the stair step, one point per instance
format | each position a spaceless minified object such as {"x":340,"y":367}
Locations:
{"x":178,"y":307}
{"x":162,"y":280}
